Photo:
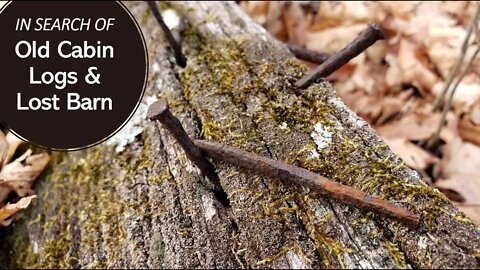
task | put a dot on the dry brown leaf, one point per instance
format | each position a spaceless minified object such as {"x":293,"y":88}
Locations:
{"x":475,"y":116}
{"x":375,"y":109}
{"x":362,"y":80}
{"x":393,"y":75}
{"x":342,"y":74}
{"x":334,"y":13}
{"x":468,"y":186}
{"x":468,"y":131}
{"x":460,"y":157}
{"x":456,"y":8}
{"x":444,"y":47}
{"x":333,"y":39}
{"x":465,"y":95}
{"x":3,"y":148}
{"x":403,"y":10}
{"x":296,"y":23}
{"x":449,"y":132}
{"x":391,"y":106}
{"x":376,"y":53}
{"x":413,"y":126}
{"x":412,"y":70}
{"x":413,"y":155}
{"x":13,"y":143}
{"x":256,"y":9}
{"x":365,"y":106}
{"x":274,"y":24}
{"x":10,"y":209}
{"x":19,"y":174}
{"x":422,"y":18}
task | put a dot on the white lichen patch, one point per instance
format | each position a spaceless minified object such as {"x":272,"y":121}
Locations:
{"x":313,"y":154}
{"x":364,"y":264}
{"x":422,"y":243}
{"x":296,"y":261}
{"x":190,"y":168}
{"x":208,"y":207}
{"x":171,"y":18}
{"x":133,"y":127}
{"x":35,"y":247}
{"x":321,"y":135}
{"x":155,"y":67}
{"x":356,"y":262}
{"x":284,"y":126}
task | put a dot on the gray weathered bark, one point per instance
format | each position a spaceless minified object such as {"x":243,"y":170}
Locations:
{"x":149,"y":207}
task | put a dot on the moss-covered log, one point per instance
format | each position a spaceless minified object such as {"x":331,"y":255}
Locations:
{"x":148,"y":206}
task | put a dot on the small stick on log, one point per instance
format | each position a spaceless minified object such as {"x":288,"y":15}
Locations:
{"x":364,"y":40}
{"x":473,"y":22}
{"x":308,"y":55}
{"x":176,"y":47}
{"x":293,"y":174}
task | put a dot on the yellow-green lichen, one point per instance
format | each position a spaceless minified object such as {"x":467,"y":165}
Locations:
{"x":293,"y":246}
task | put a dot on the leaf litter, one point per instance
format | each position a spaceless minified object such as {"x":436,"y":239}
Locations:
{"x":17,"y":176}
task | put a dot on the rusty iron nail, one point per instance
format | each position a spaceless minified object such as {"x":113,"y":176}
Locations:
{"x":308,"y":55}
{"x":160,"y":111}
{"x":176,"y":46}
{"x":364,"y":40}
{"x":293,"y":174}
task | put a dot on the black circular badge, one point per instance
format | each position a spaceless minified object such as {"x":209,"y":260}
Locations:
{"x":72,"y":72}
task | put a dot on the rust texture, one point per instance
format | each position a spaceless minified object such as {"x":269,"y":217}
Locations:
{"x":160,"y":111}
{"x":308,"y":55}
{"x":364,"y":40}
{"x":293,"y":174}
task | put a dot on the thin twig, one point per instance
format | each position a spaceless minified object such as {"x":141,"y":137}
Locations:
{"x":176,"y":47}
{"x":447,"y":107}
{"x":364,"y":40}
{"x":308,"y":55}
{"x":459,"y":62}
{"x":293,"y":174}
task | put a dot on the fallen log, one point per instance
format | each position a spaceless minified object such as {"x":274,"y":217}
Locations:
{"x":137,"y":201}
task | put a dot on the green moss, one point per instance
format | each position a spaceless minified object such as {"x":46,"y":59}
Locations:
{"x":24,"y":253}
{"x":396,"y":254}
{"x":460,"y":216}
{"x":289,"y":247}
{"x":239,"y":250}
{"x":83,"y":192}
{"x":300,"y":112}
{"x":55,"y":252}
{"x":331,"y":251}
{"x":231,"y":75}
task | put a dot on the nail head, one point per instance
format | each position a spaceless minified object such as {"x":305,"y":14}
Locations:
{"x":158,"y":109}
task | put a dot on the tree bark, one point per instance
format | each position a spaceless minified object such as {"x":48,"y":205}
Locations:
{"x":148,"y":206}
